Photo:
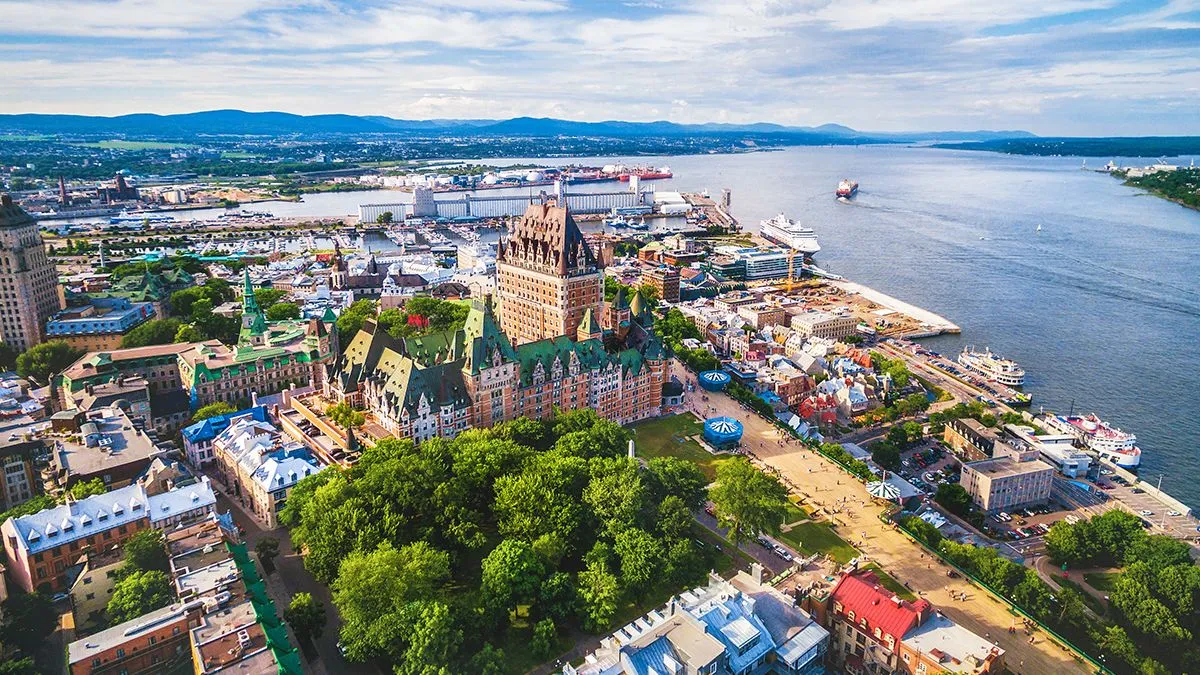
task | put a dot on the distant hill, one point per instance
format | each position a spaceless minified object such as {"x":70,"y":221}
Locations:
{"x":241,"y":123}
{"x":1141,"y":146}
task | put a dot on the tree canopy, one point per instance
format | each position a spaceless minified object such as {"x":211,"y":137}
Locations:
{"x":212,"y":410}
{"x":139,"y":592}
{"x":153,"y":332}
{"x":552,"y":517}
{"x":748,"y":501}
{"x":46,"y":359}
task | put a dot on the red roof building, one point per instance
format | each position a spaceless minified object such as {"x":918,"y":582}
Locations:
{"x":871,"y":626}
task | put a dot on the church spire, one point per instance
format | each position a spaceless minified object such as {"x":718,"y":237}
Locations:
{"x":249,"y":302}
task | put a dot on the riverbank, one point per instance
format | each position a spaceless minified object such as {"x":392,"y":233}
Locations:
{"x":931,"y":323}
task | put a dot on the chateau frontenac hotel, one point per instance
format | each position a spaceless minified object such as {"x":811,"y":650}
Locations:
{"x":550,"y":342}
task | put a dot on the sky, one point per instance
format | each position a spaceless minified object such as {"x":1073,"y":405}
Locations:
{"x":1053,"y":67}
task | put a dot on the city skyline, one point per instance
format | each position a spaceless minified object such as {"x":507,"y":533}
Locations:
{"x":1082,"y":67}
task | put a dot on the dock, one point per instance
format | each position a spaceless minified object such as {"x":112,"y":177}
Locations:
{"x":931,"y":323}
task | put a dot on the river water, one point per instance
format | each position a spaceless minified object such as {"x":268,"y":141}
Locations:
{"x":1101,"y":307}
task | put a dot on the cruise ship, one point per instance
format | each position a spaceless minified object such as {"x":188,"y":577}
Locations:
{"x":1112,"y":444}
{"x":787,"y":232}
{"x":1004,"y":371}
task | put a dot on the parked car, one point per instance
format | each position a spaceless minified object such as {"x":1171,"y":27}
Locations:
{"x":1174,"y":513}
{"x":1146,"y":512}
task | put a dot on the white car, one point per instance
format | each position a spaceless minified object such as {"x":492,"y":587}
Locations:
{"x":1174,"y":513}
{"x":1147,"y":513}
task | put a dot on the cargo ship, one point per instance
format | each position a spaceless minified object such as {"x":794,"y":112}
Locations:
{"x":787,"y":232}
{"x":646,"y":173}
{"x":847,"y":188}
{"x":1004,"y":371}
{"x":1112,"y":444}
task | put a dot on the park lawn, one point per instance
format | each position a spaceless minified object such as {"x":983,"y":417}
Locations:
{"x":819,"y":538}
{"x":670,"y":437}
{"x":1102,"y":581}
{"x":794,"y":513}
{"x":134,"y":145}
{"x":891,"y":584}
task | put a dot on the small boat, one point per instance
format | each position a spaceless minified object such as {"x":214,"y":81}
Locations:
{"x":1039,"y":227}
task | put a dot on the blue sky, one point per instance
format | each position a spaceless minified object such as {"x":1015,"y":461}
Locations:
{"x":1074,"y":67}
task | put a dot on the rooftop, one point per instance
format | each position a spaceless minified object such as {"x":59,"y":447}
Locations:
{"x":956,"y":649}
{"x":79,"y":519}
{"x":107,"y":438}
{"x":1005,"y":467}
{"x":97,"y":643}
{"x":207,"y":579}
{"x":89,"y":363}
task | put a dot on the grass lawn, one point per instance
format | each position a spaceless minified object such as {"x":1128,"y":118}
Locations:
{"x":670,"y":437}
{"x":134,"y":145}
{"x":891,"y":584}
{"x":1102,"y":581}
{"x":794,"y":513}
{"x":819,"y":538}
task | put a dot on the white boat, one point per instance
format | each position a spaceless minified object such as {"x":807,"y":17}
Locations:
{"x":1004,"y":371}
{"x":1112,"y":444}
{"x":787,"y":232}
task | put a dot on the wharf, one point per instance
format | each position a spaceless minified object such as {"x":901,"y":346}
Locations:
{"x":930,"y":324}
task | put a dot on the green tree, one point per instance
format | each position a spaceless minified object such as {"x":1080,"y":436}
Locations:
{"x":1114,"y":640}
{"x":212,"y":410}
{"x":512,"y":574}
{"x":345,"y":416}
{"x":953,"y":497}
{"x":545,"y":635}
{"x":8,"y":357}
{"x":384,"y":218}
{"x":924,"y":531}
{"x":886,"y":454}
{"x":488,"y":661}
{"x":306,"y":615}
{"x":747,"y":501}
{"x":350,"y":321}
{"x":187,"y":333}
{"x":674,"y":519}
{"x":23,"y":666}
{"x":557,"y":598}
{"x":544,"y":498}
{"x":373,"y":589}
{"x":153,"y":332}
{"x":268,"y":297}
{"x":615,"y":492}
{"x":433,"y":641}
{"x":599,"y":596}
{"x":139,"y":592}
{"x":283,"y":311}
{"x":85,"y":489}
{"x":267,"y":549}
{"x":28,"y":618}
{"x":146,"y":551}
{"x":640,"y":554}
{"x":672,"y":476}
{"x":41,"y":361}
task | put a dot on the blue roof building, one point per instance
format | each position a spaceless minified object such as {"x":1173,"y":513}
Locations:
{"x":198,"y":437}
{"x":100,"y":324}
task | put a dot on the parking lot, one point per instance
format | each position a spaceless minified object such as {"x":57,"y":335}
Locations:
{"x":1153,"y":511}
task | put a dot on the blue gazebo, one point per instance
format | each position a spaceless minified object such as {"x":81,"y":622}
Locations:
{"x":713,"y":380}
{"x":722,"y":432}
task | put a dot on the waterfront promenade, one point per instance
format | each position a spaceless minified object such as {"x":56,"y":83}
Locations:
{"x":824,"y":484}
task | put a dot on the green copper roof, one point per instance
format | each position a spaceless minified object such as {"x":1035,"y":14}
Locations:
{"x":483,"y":337}
{"x":249,"y":302}
{"x":620,"y":301}
{"x":637,"y":306}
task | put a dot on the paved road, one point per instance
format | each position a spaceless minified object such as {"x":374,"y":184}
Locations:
{"x":823,"y":483}
{"x":290,"y":578}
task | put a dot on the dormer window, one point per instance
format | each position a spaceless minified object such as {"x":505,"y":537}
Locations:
{"x":34,"y":536}
{"x":102,"y":516}
{"x":135,"y":505}
{"x":851,"y":615}
{"x":51,"y":530}
{"x":118,"y":509}
{"x":67,"y":525}
{"x":85,"y":520}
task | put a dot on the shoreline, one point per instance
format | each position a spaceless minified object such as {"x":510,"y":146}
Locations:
{"x":937,"y":324}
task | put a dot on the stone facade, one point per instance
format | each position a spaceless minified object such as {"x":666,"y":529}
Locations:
{"x":442,"y":384}
{"x":28,"y":282}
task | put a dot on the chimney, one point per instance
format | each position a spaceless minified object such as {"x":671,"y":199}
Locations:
{"x":756,"y":572}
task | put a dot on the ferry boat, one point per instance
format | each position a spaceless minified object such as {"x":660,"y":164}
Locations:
{"x":847,"y":188}
{"x":1004,"y":371}
{"x":1112,"y":444}
{"x":787,"y":232}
